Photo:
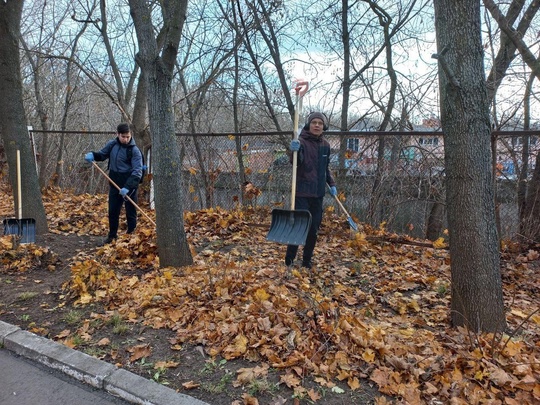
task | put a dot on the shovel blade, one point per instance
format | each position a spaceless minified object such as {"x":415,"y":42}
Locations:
{"x":352,"y":224}
{"x":24,"y":227}
{"x":289,"y":227}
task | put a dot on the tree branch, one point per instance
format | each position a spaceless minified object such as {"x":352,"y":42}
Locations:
{"x":514,"y":36}
{"x":447,"y":70}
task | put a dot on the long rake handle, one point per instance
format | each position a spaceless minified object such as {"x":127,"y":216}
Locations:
{"x":341,"y":206}
{"x":352,"y":224}
{"x":127,"y":196}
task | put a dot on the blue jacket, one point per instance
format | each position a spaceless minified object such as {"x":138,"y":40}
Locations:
{"x":313,"y":172}
{"x":123,"y":171}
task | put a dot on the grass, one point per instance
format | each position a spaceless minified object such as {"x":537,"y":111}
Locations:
{"x":119,"y":326}
{"x":73,"y":317}
{"x":27,"y":295}
{"x":260,"y":386}
{"x":220,"y":386}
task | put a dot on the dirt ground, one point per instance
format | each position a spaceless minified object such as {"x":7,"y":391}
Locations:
{"x":34,"y":300}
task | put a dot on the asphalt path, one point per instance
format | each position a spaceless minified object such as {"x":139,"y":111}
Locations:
{"x":23,"y":382}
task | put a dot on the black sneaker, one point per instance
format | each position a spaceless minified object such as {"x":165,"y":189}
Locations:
{"x":307,"y":264}
{"x":107,"y":241}
{"x":288,"y":261}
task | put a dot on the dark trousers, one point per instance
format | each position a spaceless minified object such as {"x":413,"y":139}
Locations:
{"x":315,"y":207}
{"x":115,"y":206}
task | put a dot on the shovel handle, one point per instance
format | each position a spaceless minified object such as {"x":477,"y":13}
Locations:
{"x":127,"y":196}
{"x":301,"y":88}
{"x":299,"y":95}
{"x":19,"y":191}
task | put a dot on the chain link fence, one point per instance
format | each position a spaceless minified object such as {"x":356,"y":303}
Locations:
{"x":395,"y":179}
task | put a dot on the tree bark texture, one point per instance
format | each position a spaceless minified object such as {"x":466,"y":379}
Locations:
{"x":477,"y":300}
{"x":13,"y":125}
{"x":173,"y":247}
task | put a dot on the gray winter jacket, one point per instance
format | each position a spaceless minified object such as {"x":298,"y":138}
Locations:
{"x":125,"y":172}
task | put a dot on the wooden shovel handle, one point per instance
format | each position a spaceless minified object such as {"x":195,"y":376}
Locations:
{"x":19,"y":188}
{"x":127,"y":196}
{"x":297,"y":108}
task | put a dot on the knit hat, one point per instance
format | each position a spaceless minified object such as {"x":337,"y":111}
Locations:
{"x":122,"y":128}
{"x":314,"y":115}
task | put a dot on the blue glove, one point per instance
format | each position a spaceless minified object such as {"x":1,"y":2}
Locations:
{"x":124,"y":191}
{"x":89,"y":157}
{"x":333,"y":191}
{"x":295,"y":145}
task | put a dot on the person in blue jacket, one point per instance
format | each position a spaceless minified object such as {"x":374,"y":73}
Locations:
{"x":125,"y":169}
{"x":312,"y":175}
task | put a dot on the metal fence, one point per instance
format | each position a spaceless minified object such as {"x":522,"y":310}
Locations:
{"x":253,"y":169}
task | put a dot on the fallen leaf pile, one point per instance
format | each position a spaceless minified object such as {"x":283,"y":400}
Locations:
{"x":376,"y":311}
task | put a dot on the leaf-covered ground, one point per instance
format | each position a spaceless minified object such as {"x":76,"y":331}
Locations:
{"x":369,"y":324}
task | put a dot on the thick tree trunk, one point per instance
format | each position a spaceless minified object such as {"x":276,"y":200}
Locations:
{"x":173,"y":247}
{"x":13,"y":126}
{"x":477,"y":300}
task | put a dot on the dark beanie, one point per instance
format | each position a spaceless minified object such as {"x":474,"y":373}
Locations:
{"x":122,"y":128}
{"x":314,"y":115}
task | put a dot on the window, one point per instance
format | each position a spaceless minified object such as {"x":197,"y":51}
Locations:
{"x":353,"y":144}
{"x":428,"y":141}
{"x":518,"y":141}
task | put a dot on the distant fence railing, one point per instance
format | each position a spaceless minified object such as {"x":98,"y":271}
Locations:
{"x":404,"y":188}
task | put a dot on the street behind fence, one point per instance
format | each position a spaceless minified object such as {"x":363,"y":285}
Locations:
{"x":404,"y":189}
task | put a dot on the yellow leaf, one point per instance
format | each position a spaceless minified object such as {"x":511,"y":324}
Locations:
{"x":245,"y":375}
{"x":368,"y":356}
{"x":414,"y":305}
{"x":313,"y":395}
{"x":165,"y":364}
{"x":103,"y":342}
{"x":138,"y":352}
{"x":354,"y":383}
{"x":190,"y":385}
{"x":63,"y":334}
{"x":237,"y":348}
{"x":261,"y":295}
{"x":85,"y":298}
{"x":290,"y":380}
{"x":439,"y":243}
{"x":168,"y":275}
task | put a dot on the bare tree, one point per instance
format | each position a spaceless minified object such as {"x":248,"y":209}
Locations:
{"x":477,"y":300}
{"x":13,"y":125}
{"x":157,"y":64}
{"x":511,"y":41}
{"x":507,"y":51}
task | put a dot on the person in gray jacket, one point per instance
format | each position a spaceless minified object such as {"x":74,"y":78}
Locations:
{"x":312,"y":175}
{"x":125,"y":169}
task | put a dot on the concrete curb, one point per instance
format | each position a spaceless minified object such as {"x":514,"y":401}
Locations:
{"x":88,"y":369}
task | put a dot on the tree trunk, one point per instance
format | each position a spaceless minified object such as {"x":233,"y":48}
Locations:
{"x":477,"y":300}
{"x":173,"y":247}
{"x":435,"y":222}
{"x":13,"y":126}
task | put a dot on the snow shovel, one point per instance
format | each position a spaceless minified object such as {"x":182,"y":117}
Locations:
{"x":352,"y":224}
{"x":127,"y":196}
{"x":23,"y":227}
{"x":289,"y":226}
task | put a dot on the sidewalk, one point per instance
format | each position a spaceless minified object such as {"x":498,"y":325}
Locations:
{"x":37,"y":370}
